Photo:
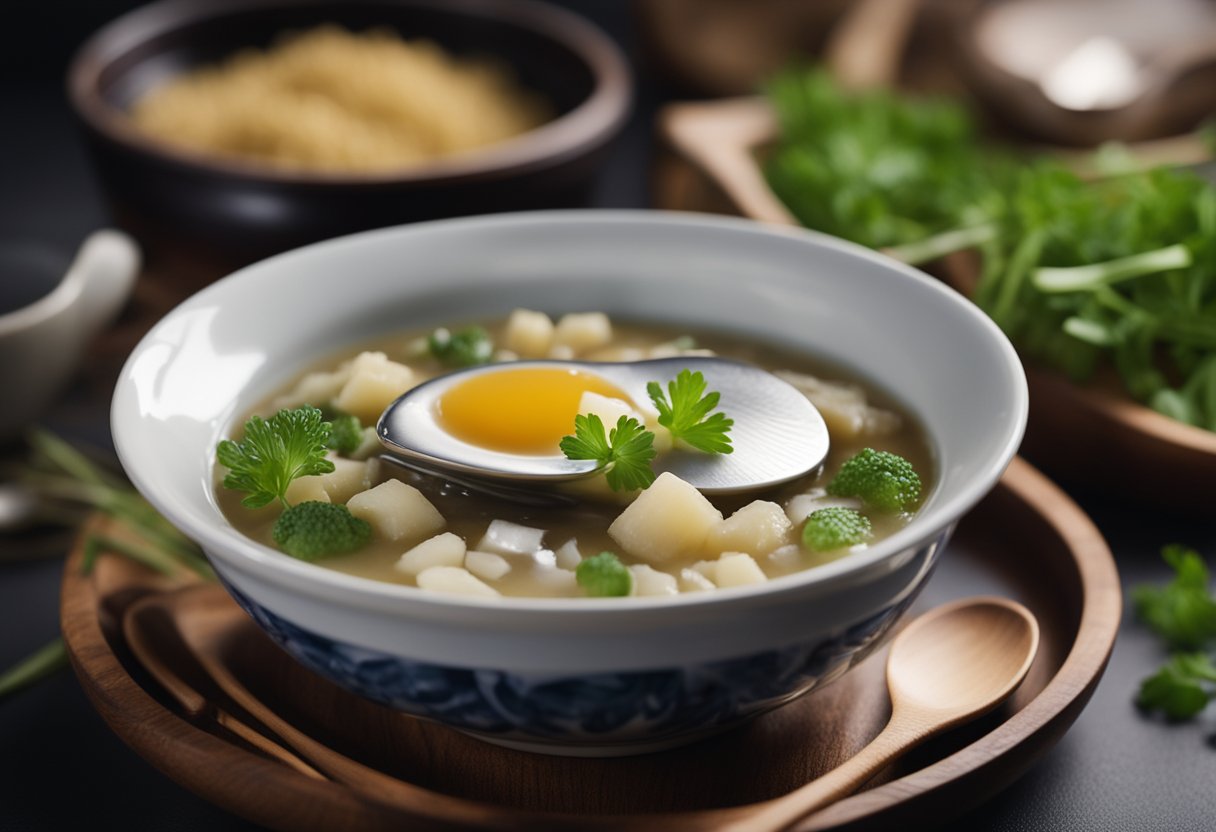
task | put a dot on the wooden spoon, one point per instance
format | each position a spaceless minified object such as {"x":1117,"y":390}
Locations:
{"x":951,"y":665}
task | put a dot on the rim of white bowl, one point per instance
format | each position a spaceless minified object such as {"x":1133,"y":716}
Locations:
{"x":331,"y":585}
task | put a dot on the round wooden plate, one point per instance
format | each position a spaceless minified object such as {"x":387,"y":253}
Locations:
{"x":1093,"y":433}
{"x":1026,"y":541}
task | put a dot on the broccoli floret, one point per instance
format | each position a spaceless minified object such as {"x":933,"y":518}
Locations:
{"x":881,"y":479}
{"x":604,"y":576}
{"x":313,"y":530}
{"x":346,"y":434}
{"x":835,"y":528}
{"x":465,"y":348}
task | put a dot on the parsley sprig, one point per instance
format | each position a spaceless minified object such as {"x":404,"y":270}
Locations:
{"x":688,"y":413}
{"x":624,"y":453}
{"x":275,"y":451}
{"x":1183,"y":612}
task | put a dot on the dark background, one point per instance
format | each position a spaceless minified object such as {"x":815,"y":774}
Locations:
{"x":61,"y":768}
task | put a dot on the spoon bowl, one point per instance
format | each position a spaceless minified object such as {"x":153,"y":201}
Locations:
{"x":778,"y":435}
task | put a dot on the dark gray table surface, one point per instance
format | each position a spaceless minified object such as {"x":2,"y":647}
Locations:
{"x":60,"y":767}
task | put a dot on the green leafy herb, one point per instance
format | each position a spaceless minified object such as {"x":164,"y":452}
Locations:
{"x":881,"y":479}
{"x":879,"y":168}
{"x":834,"y":528}
{"x":314,"y":530}
{"x":40,"y":664}
{"x":1183,"y":612}
{"x":274,"y":452}
{"x":604,"y":576}
{"x":1181,"y":688}
{"x":463,"y":348}
{"x":624,"y":453}
{"x":346,"y":434}
{"x":688,"y":413}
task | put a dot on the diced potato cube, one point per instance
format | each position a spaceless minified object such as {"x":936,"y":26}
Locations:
{"x":786,"y":558}
{"x":445,"y":549}
{"x":670,"y":520}
{"x":706,"y":568}
{"x":307,"y":490}
{"x":583,"y":331}
{"x":803,"y":506}
{"x":560,"y":582}
{"x":693,"y":581}
{"x":317,"y":389}
{"x":561,"y":352}
{"x":609,"y":410}
{"x":568,"y":555}
{"x":486,"y":565}
{"x":369,"y":445}
{"x":738,"y":569}
{"x":397,"y":511}
{"x":649,"y":581}
{"x":546,"y":558}
{"x":375,"y":382}
{"x":454,"y":580}
{"x":528,"y":334}
{"x":758,"y":528}
{"x":511,"y":538}
{"x":348,"y":478}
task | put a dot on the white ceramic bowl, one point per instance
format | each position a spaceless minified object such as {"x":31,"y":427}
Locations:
{"x":574,"y":676}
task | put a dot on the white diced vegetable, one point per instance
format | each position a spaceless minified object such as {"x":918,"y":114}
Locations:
{"x":445,"y":549}
{"x":348,"y":478}
{"x":669,"y":520}
{"x":609,"y":410}
{"x":505,"y":356}
{"x":375,"y":382}
{"x":556,"y":581}
{"x":561,"y":352}
{"x":843,"y":406}
{"x":545,"y":558}
{"x":693,"y":581}
{"x":307,"y":490}
{"x":511,"y":538}
{"x":803,"y":506}
{"x":528,"y":333}
{"x":397,"y":511}
{"x":486,"y":565}
{"x":454,"y":580}
{"x":786,"y":558}
{"x":649,"y":581}
{"x":758,"y":528}
{"x":369,"y":445}
{"x":583,"y":331}
{"x":738,"y":569}
{"x":317,"y":389}
{"x":568,"y":555}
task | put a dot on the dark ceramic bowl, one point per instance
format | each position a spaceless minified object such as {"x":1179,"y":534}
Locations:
{"x":244,"y":210}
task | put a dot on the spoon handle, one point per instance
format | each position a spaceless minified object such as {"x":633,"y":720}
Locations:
{"x":897,"y":737}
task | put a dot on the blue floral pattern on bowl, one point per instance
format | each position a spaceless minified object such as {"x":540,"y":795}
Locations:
{"x":594,"y":710}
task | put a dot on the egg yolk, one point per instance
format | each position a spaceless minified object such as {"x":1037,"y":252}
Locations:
{"x":522,"y":411}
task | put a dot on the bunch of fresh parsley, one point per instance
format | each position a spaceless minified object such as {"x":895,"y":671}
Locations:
{"x":1183,"y":613}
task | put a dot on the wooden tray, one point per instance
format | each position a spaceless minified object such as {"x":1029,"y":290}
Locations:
{"x":1026,"y":541}
{"x":1091,"y":433}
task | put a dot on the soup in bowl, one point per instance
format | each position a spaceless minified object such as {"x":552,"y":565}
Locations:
{"x":493,"y":617}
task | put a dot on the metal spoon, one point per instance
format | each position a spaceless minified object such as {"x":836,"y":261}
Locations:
{"x":778,"y":435}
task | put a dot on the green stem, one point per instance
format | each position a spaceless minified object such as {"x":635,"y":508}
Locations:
{"x":1090,"y":276}
{"x":34,"y":668}
{"x":939,"y":245}
{"x":1020,"y":263}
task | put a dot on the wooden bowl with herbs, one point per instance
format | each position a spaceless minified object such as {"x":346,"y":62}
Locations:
{"x":1105,"y":283}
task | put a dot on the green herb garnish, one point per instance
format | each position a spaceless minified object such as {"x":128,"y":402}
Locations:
{"x":1183,"y":612}
{"x":274,"y":452}
{"x":314,"y":530}
{"x":624,"y":453}
{"x":880,"y":479}
{"x":346,"y":434}
{"x":604,"y":576}
{"x":834,"y":528}
{"x":464,"y":348}
{"x":688,"y":413}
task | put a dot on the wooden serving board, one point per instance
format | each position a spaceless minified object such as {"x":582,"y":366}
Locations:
{"x":1025,"y":541}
